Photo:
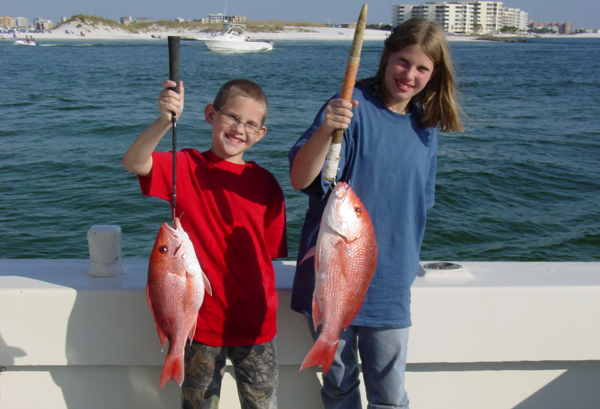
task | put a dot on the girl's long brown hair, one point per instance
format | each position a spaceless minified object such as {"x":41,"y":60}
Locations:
{"x":438,"y":99}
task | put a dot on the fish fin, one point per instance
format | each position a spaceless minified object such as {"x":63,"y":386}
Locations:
{"x":161,"y":335}
{"x":322,"y":353}
{"x":207,"y":286}
{"x":173,"y":369}
{"x":310,"y":253}
{"x":316,"y":313}
{"x":192,"y":333}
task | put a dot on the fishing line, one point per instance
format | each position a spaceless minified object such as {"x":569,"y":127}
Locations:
{"x":174,"y":42}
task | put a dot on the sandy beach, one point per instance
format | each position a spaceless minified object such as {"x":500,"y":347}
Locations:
{"x":77,"y":31}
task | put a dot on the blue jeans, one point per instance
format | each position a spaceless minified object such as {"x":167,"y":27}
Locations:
{"x":383,"y":356}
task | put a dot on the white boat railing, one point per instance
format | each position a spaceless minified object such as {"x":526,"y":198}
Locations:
{"x":492,"y":335}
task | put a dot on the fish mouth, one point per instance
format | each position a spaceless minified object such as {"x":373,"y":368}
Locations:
{"x":341,"y":189}
{"x":169,"y":229}
{"x":177,"y":224}
{"x":175,"y":236}
{"x":173,"y":231}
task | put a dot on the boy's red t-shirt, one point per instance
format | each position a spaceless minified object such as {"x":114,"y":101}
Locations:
{"x":235,"y":217}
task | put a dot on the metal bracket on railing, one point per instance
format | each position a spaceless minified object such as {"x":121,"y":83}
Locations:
{"x":442,"y":266}
{"x":444,"y":270}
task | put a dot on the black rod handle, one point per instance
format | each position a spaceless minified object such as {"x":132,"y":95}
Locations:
{"x":174,"y":60}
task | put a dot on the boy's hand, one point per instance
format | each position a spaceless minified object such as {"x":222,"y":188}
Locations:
{"x":169,"y":101}
{"x":338,"y":114}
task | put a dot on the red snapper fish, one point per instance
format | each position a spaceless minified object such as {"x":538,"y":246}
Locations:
{"x":175,"y":291}
{"x":345,"y":260}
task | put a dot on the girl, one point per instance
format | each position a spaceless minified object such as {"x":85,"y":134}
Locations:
{"x":389,"y":157}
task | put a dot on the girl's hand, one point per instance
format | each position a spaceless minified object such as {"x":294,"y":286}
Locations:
{"x":169,"y":101}
{"x":338,"y":114}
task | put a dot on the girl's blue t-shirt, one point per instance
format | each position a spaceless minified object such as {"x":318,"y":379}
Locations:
{"x":389,"y":159}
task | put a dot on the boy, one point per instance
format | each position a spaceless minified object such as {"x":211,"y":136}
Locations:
{"x":234,"y":213}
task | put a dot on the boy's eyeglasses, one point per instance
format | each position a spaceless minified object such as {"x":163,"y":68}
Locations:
{"x":233,"y":121}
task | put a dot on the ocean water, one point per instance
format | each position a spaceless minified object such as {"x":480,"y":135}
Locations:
{"x":522,"y":182}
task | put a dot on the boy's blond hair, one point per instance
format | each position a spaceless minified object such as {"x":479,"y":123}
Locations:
{"x":244,"y":88}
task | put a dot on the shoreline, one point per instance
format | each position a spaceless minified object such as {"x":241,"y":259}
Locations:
{"x":78,"y":32}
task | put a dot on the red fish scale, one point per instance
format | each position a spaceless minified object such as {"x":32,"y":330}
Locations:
{"x":345,"y":261}
{"x":175,"y":291}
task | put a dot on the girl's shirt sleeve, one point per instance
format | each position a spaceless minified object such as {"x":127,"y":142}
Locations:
{"x":319,"y":187}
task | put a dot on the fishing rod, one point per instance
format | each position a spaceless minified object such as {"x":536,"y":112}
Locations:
{"x":174,"y":76}
{"x":333,"y":155}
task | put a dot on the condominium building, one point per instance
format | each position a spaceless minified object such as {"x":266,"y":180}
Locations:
{"x":42,"y":24}
{"x":21,"y":22}
{"x":560,"y":28}
{"x":7,"y":22}
{"x":221,"y":18}
{"x":463,"y":17}
{"x":515,"y":18}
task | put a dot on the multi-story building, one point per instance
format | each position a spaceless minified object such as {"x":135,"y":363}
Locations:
{"x":403,"y":12}
{"x":560,"y":28}
{"x":221,"y":18}
{"x":236,"y":19}
{"x":7,"y":22}
{"x":515,"y":18}
{"x":43,"y":24}
{"x":487,"y":16}
{"x":455,"y":17}
{"x":463,"y":17}
{"x":216,"y":18}
{"x":21,"y":22}
{"x":424,"y":11}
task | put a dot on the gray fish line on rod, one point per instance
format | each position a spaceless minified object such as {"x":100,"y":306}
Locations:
{"x":174,"y":42}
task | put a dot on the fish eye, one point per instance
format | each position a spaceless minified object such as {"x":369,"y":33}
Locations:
{"x":163,"y":249}
{"x":358,"y":209}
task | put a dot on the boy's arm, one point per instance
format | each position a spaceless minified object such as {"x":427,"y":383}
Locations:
{"x":138,"y":158}
{"x":311,"y":156}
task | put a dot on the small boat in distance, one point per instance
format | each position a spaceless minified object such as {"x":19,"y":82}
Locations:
{"x":234,"y":39}
{"x":25,"y":41}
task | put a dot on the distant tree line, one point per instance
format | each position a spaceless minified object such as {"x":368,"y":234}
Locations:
{"x":380,"y":26}
{"x":542,"y":30}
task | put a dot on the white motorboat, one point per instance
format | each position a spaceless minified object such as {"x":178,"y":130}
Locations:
{"x":21,"y":41}
{"x":234,"y":39}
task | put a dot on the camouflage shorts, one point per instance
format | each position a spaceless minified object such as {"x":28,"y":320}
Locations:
{"x":255,"y":371}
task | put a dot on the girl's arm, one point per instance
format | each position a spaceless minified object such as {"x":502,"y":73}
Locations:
{"x":311,"y":156}
{"x":138,"y":158}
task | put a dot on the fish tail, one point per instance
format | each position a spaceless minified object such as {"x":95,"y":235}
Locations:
{"x":322,"y":354}
{"x":173,"y":369}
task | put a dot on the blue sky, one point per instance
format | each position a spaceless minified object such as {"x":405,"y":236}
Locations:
{"x":582,"y":13}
